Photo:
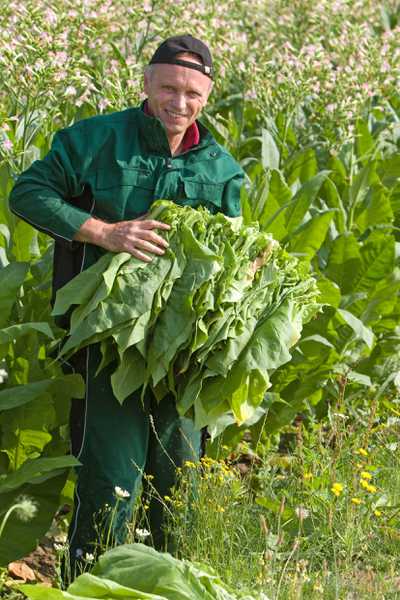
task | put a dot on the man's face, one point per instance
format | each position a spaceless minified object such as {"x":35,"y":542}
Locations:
{"x":176,"y":94}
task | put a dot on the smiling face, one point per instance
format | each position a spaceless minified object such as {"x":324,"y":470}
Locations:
{"x":176,"y":95}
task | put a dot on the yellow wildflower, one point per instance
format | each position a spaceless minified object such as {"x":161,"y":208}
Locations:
{"x":365,"y":475}
{"x":207,"y":461}
{"x":307,"y":475}
{"x":190,"y":464}
{"x":377,"y":513}
{"x":337,"y":488}
{"x":362,"y":452}
{"x":356,"y":501}
{"x":220,"y":509}
{"x":367,"y":486}
{"x":167,"y":498}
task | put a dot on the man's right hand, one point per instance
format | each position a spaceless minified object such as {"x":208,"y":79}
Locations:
{"x":138,"y":236}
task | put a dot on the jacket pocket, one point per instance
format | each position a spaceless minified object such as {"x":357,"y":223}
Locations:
{"x":123,"y":193}
{"x":199,"y":193}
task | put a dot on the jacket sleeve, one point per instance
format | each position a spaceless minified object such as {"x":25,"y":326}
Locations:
{"x":42,"y":193}
{"x":231,"y":196}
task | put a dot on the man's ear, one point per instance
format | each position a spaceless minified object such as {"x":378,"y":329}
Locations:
{"x":146,"y":82}
{"x":209,"y":92}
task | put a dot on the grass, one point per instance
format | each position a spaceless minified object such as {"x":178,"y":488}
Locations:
{"x":319,"y":518}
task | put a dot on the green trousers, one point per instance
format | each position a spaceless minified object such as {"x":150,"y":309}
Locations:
{"x":116,"y":444}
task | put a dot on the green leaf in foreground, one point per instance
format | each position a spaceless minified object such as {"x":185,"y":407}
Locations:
{"x":9,"y":334}
{"x":139,"y":572}
{"x":67,"y":385}
{"x":34,"y":470}
{"x":20,"y":538}
{"x":11,"y":278}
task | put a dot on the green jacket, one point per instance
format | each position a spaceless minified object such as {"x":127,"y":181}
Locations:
{"x":113,"y":167}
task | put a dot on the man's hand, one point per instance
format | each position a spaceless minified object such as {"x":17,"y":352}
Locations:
{"x":136,"y":236}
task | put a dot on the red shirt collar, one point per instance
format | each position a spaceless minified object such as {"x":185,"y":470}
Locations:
{"x":192,"y":134}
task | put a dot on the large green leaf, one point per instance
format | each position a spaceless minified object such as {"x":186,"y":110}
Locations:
{"x":375,"y":209}
{"x":281,"y":414}
{"x":303,"y":199}
{"x":130,"y":374}
{"x":9,"y":334}
{"x":365,"y":143}
{"x":24,"y":242}
{"x":389,"y":170}
{"x":40,"y":592}
{"x":360,"y":330}
{"x":273,"y":219}
{"x":309,"y":237}
{"x":344,"y":262}
{"x":11,"y":278}
{"x":383,"y":300}
{"x":329,"y":292}
{"x":20,"y":538}
{"x":361,"y":185}
{"x":377,"y":261}
{"x":271,"y":214}
{"x":137,"y":572}
{"x":24,"y":443}
{"x":81,"y":288}
{"x":303,"y":166}
{"x":34,"y":471}
{"x":330,"y":194}
{"x":71,"y":386}
{"x":269,"y":151}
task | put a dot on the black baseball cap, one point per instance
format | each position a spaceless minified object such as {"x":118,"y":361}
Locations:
{"x":167,"y":51}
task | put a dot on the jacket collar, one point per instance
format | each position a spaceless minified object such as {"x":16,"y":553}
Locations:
{"x":154,"y":136}
{"x":192,"y":134}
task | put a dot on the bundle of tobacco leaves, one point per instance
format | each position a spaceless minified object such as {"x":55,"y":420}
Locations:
{"x":208,"y":321}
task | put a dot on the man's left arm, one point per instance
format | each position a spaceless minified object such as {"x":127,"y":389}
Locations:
{"x":231,"y":196}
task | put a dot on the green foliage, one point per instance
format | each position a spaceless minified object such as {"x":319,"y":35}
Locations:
{"x":241,"y":303}
{"x":19,"y":539}
{"x":311,"y":516}
{"x":339,"y":212}
{"x":137,"y":571}
{"x":34,"y":396}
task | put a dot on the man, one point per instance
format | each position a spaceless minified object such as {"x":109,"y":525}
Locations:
{"x":91,"y":193}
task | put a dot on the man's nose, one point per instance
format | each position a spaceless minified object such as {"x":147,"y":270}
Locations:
{"x":179,"y":102}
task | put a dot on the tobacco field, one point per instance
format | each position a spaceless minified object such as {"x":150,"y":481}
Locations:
{"x":302,"y":500}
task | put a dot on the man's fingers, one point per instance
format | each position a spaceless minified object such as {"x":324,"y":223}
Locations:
{"x":140,"y":255}
{"x":148,"y":246}
{"x":151,"y":236}
{"x":152,"y":224}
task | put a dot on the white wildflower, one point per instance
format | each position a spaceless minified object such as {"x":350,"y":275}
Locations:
{"x":141,"y":534}
{"x":103,"y":103}
{"x":70,"y":91}
{"x":120,"y":493}
{"x":25,"y":508}
{"x":89,"y":557}
{"x":8,"y":146}
{"x":3,"y":375}
{"x":59,"y":547}
{"x":301,"y":512}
